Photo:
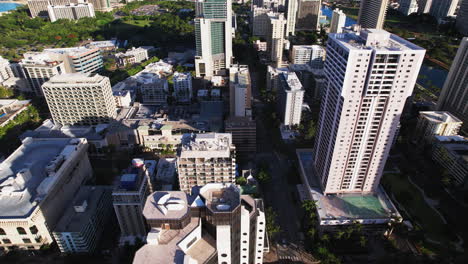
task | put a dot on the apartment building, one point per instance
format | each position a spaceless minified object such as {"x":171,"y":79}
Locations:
{"x":80,"y":99}
{"x":454,"y":96}
{"x":38,"y":8}
{"x":436,"y":123}
{"x":129,"y":197}
{"x":183,"y":87}
{"x":368,"y":79}
{"x":240,"y":90}
{"x":308,"y":13}
{"x":451,"y":152}
{"x":290,"y":99}
{"x":70,"y":11}
{"x":213,"y":36}
{"x":291,"y":16}
{"x":206,"y":158}
{"x":82,"y":224}
{"x":372,"y":13}
{"x":338,"y":21}
{"x":275,"y":37}
{"x":233,"y":229}
{"x":312,"y":55}
{"x":78,"y":59}
{"x":37,"y":182}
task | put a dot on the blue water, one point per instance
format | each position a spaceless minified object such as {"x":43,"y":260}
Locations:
{"x":8,"y":6}
{"x":432,"y":75}
{"x":328,"y":12}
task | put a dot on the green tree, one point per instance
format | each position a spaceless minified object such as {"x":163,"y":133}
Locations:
{"x":271,"y":225}
{"x":6,"y":93}
{"x":263,"y":176}
{"x":241,"y":181}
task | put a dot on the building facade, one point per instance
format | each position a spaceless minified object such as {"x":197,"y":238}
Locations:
{"x":82,"y":224}
{"x":372,"y":13}
{"x":206,"y":158}
{"x":441,"y":9}
{"x":240,"y":90}
{"x":291,"y":16}
{"x":408,"y":7}
{"x":312,"y":55}
{"x":462,"y":18}
{"x":338,"y":21}
{"x":80,"y":99}
{"x":308,"y":13}
{"x":290,"y":99}
{"x":454,"y":94}
{"x":213,"y":36}
{"x":70,"y":11}
{"x":368,"y":79}
{"x":183,"y":87}
{"x":275,"y":37}
{"x":38,"y":8}
{"x":260,"y":21}
{"x":436,"y":123}
{"x":37,"y":182}
{"x":155,"y":91}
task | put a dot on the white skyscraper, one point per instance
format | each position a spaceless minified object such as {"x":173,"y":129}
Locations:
{"x":291,"y":16}
{"x":240,"y":90}
{"x":372,"y":13}
{"x":275,"y":37}
{"x":368,"y":79}
{"x":290,"y":98}
{"x":80,"y":99}
{"x":338,"y":21}
{"x":213,"y":36}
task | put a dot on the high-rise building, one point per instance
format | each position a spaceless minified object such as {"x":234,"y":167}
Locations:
{"x":260,"y":21}
{"x":275,"y":37}
{"x":312,"y":55}
{"x":369,"y":78}
{"x":37,"y":182}
{"x":80,"y":99}
{"x":441,"y":9}
{"x":273,"y":77}
{"x":240,"y":90}
{"x":39,"y":68}
{"x":372,"y":13}
{"x":70,"y":11}
{"x":183,"y":87}
{"x":206,"y":158}
{"x":290,"y":99}
{"x":424,"y":6}
{"x":38,"y":8}
{"x":78,"y":59}
{"x":129,"y":197}
{"x":436,"y":123}
{"x":291,"y":15}
{"x":308,"y":13}
{"x":408,"y":7}
{"x":462,"y":18}
{"x":244,"y":134}
{"x":216,"y":225}
{"x":338,"y":21}
{"x":454,"y":95}
{"x":213,"y":36}
{"x":154,"y":91}
{"x":82,"y":224}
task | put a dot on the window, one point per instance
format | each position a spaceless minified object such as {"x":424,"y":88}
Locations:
{"x":21,"y":231}
{"x":33,"y":230}
{"x":2,"y":232}
{"x":6,"y":241}
{"x":26,"y":240}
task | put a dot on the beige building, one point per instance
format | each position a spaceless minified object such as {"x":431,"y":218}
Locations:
{"x":70,"y":11}
{"x":37,"y":183}
{"x":39,"y":7}
{"x":78,"y":59}
{"x":275,"y":37}
{"x":369,"y":76}
{"x":206,"y":158}
{"x":454,"y":95}
{"x":80,"y":99}
{"x":436,"y":123}
{"x":372,"y":13}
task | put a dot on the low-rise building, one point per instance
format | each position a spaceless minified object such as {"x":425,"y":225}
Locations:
{"x":37,"y":182}
{"x":10,"y":108}
{"x":451,"y":152}
{"x":206,"y":158}
{"x":436,"y":123}
{"x":132,"y":56}
{"x":83,"y":223}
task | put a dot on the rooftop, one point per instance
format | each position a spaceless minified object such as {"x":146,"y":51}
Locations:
{"x":208,"y":145}
{"x":67,"y":78}
{"x":74,"y":51}
{"x":291,"y":81}
{"x":28,"y":174}
{"x":77,"y":216}
{"x":220,"y":197}
{"x":131,"y":178}
{"x":440,"y":117}
{"x":166,"y":205}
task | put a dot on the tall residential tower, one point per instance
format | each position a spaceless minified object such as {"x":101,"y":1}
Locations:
{"x":369,"y":76}
{"x":372,"y":13}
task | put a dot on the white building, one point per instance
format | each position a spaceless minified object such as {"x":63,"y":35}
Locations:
{"x":77,"y":59}
{"x":275,"y":37}
{"x":338,"y":21}
{"x":183,"y":87}
{"x":37,"y":182}
{"x":372,"y":13}
{"x":213,"y":36}
{"x":240,"y":90}
{"x":80,"y":99}
{"x":408,"y":7}
{"x":436,"y":123}
{"x":70,"y":11}
{"x":369,"y":77}
{"x":122,"y":98}
{"x":206,"y":158}
{"x":441,"y":9}
{"x":290,"y":99}
{"x":291,"y":16}
{"x":313,"y":55}
{"x":273,"y":77}
{"x":132,"y":56}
